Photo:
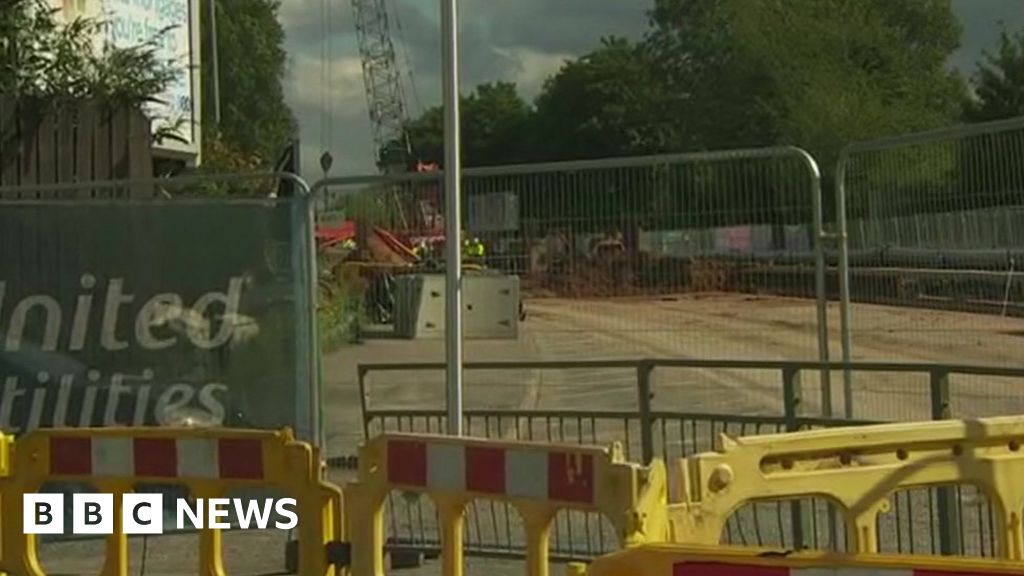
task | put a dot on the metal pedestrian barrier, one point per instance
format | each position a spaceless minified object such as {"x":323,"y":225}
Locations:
{"x":678,"y":560}
{"x":209,"y":462}
{"x":538,"y":480}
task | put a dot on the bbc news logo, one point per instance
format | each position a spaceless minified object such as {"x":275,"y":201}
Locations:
{"x":143,"y":513}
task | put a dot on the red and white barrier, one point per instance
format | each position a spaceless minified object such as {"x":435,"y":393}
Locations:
{"x":528,"y":474}
{"x":224,"y":458}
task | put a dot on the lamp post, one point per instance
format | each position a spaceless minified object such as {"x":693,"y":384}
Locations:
{"x":453,"y":214}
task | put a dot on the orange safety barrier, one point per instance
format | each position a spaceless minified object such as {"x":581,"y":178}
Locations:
{"x":539,"y":480}
{"x":680,"y":560}
{"x":207,"y":461}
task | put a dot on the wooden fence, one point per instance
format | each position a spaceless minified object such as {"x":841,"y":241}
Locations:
{"x":85,"y":142}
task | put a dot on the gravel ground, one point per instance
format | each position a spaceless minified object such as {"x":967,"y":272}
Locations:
{"x":734,"y":327}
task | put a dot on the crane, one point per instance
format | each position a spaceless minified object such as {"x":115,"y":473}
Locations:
{"x":383,"y":80}
{"x":388,"y":109}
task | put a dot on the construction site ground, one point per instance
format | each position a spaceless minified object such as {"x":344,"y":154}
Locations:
{"x":693,"y":326}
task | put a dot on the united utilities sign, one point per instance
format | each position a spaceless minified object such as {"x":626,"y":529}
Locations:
{"x":153,"y":314}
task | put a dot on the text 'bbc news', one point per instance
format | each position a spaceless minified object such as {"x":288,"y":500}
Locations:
{"x":144,"y":513}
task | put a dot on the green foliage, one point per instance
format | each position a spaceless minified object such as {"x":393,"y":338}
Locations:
{"x":723,"y":74}
{"x":374,"y":206}
{"x":339,"y":315}
{"x":815,"y":73}
{"x":999,"y":82}
{"x":256,"y":123}
{"x":607,"y":103}
{"x":43,"y":61}
{"x":494,"y":128}
{"x":727,"y":74}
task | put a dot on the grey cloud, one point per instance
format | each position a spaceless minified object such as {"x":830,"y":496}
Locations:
{"x":567,"y":26}
{"x":494,"y":36}
{"x":491,"y":29}
{"x":981,"y":20}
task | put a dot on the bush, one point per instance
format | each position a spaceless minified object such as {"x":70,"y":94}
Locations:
{"x":42,"y":60}
{"x":340,"y":314}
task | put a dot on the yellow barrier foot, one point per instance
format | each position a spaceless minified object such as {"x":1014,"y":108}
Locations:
{"x":575,"y":569}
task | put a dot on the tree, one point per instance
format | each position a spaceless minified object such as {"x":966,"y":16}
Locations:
{"x":816,"y":73}
{"x":44,"y":61}
{"x":494,"y":121}
{"x":256,"y":123}
{"x":999,"y":82}
{"x":987,"y":171}
{"x":606,"y":103}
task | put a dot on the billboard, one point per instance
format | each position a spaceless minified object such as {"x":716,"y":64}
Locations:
{"x":173,"y":25}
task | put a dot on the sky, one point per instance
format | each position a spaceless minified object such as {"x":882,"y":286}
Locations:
{"x":523,"y":41}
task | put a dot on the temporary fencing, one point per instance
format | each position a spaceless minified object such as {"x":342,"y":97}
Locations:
{"x":208,"y":462}
{"x":582,"y":237}
{"x":538,"y":480}
{"x":161,"y":301}
{"x":676,"y":560}
{"x":933,"y":220}
{"x":578,"y":233}
{"x":167,"y":301}
{"x":675,"y":408}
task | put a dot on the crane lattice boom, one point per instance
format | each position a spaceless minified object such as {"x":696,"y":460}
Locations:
{"x":383,"y":82}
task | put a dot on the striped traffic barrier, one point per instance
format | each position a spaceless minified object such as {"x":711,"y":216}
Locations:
{"x":207,"y":461}
{"x":538,"y":480}
{"x":162,"y":458}
{"x":558,"y":475}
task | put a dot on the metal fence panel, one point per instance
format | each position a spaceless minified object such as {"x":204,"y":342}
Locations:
{"x":189,"y":300}
{"x":934,"y":220}
{"x":686,"y":414}
{"x":615,"y":256}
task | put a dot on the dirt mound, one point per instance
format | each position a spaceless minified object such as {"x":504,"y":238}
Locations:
{"x":625,"y":277}
{"x":710,"y":276}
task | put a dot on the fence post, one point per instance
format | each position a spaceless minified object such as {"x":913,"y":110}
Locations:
{"x":792,"y":393}
{"x":948,"y":505}
{"x":644,"y":396}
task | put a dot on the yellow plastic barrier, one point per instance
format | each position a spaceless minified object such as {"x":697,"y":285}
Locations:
{"x":207,"y":461}
{"x":858,"y":469}
{"x":539,"y":480}
{"x":676,"y":560}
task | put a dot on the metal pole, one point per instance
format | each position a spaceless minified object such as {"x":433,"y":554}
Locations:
{"x":846,"y":338}
{"x":820,"y":292}
{"x":215,"y":66}
{"x":453,"y":213}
